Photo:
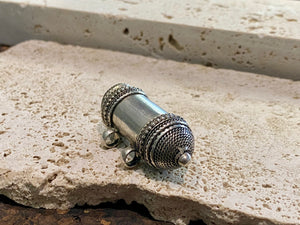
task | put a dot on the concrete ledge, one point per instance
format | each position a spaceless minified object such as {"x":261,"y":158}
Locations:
{"x":261,"y":36}
{"x":246,"y":164}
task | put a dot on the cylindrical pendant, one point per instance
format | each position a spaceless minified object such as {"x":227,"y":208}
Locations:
{"x":161,"y":139}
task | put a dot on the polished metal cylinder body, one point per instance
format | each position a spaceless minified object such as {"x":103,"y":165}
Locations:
{"x":133,"y":113}
{"x":161,"y":139}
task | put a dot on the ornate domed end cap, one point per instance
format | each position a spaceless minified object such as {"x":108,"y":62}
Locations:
{"x":173,"y":148}
{"x":166,"y":142}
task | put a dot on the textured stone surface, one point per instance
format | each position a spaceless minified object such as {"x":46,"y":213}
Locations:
{"x":246,"y":163}
{"x":260,"y":36}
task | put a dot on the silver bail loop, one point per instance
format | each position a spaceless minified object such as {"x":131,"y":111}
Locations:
{"x":130,"y":157}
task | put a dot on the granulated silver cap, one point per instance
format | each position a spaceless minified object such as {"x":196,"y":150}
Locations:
{"x":166,"y":142}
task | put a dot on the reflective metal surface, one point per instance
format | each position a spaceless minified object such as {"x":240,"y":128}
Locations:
{"x":110,"y":138}
{"x":132,"y":114}
{"x":162,"y":140}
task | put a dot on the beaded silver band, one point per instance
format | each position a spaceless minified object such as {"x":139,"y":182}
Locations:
{"x":113,"y":96}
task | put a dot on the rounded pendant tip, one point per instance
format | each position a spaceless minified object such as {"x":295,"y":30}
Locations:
{"x":184,"y":159}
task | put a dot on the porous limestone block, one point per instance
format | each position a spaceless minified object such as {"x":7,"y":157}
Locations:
{"x":260,"y":36}
{"x":246,"y":163}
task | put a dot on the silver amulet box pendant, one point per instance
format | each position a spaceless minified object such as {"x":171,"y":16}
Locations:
{"x":161,"y":139}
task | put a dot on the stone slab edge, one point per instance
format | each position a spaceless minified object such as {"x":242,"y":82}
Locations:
{"x":231,"y":34}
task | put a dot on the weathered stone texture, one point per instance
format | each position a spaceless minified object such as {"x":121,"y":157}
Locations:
{"x":246,"y":163}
